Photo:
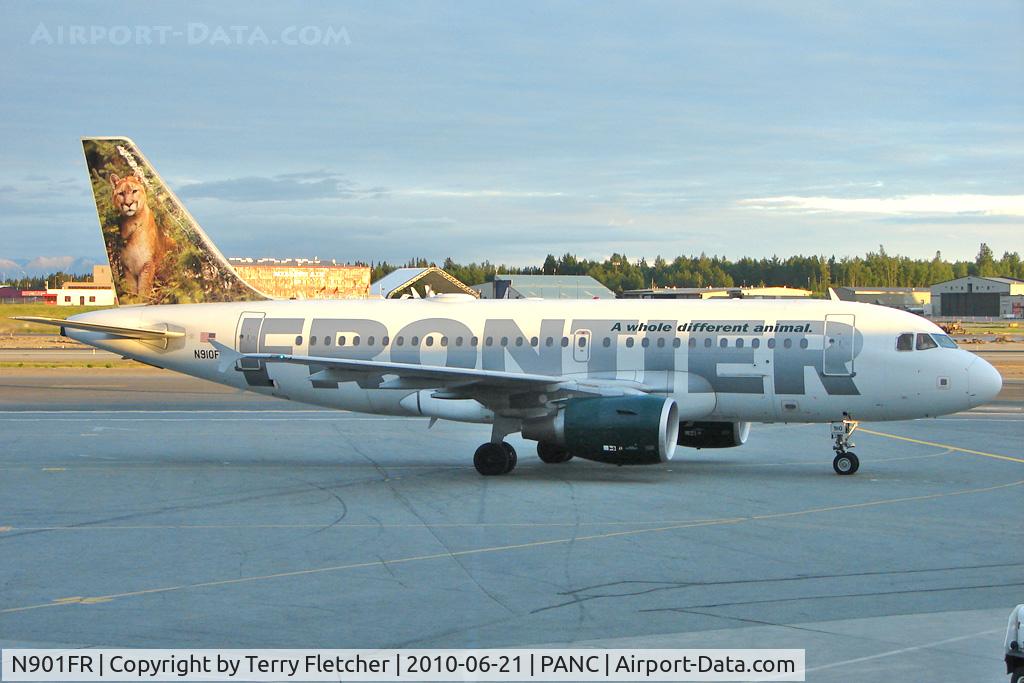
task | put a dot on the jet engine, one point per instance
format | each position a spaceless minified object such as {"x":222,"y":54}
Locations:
{"x":620,"y":430}
{"x":713,"y":434}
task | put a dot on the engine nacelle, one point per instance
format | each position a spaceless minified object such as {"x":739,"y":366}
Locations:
{"x":620,"y":430}
{"x":713,"y":434}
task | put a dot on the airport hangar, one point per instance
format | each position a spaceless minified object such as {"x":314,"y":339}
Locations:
{"x":976,"y":296}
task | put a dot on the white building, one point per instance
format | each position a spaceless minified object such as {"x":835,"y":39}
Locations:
{"x":99,"y":292}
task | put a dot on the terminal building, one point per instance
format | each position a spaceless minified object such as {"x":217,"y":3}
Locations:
{"x":507,"y":286}
{"x":304,"y":278}
{"x":717,"y":293}
{"x":979,"y":297}
{"x":913,"y":299}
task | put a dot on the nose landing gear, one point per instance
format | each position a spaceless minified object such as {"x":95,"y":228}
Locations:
{"x":846,"y":461}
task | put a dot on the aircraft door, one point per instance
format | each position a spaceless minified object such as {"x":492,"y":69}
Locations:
{"x":581,"y":346}
{"x":247,"y":338}
{"x":838,"y":345}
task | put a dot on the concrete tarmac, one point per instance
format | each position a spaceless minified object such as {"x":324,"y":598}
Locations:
{"x":143,"y":509}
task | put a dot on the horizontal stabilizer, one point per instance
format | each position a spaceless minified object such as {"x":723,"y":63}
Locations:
{"x":113,"y":330}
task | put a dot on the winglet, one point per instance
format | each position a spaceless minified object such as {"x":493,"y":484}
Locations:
{"x":228,"y":355}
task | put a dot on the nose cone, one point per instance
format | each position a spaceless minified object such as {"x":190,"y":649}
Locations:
{"x":983,"y":382}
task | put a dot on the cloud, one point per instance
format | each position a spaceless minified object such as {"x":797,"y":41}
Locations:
{"x":907,"y":205}
{"x":304,"y":185}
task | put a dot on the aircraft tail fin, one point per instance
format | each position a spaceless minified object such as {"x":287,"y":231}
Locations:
{"x":158,"y":254}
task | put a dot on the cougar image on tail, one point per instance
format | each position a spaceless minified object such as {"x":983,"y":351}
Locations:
{"x":157,"y":252}
{"x":145,"y":245}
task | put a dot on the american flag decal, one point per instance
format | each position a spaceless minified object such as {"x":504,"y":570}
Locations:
{"x":207,"y":336}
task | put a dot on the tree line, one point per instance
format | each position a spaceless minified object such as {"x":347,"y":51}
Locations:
{"x":618,"y":273}
{"x":53,"y":280}
{"x":817,"y":273}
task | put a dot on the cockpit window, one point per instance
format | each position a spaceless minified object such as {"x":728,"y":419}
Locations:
{"x":905,"y":342}
{"x":945,"y":341}
{"x":925,"y":341}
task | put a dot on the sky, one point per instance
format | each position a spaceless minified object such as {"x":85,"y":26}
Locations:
{"x":505,"y":131}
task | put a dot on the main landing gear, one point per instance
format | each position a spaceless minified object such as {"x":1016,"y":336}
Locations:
{"x":495,"y":458}
{"x":552,"y":453}
{"x":846,"y":461}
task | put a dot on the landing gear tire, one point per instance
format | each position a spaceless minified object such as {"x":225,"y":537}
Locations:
{"x":512,"y":457}
{"x":551,"y":453}
{"x":492,"y":459}
{"x":846,"y":463}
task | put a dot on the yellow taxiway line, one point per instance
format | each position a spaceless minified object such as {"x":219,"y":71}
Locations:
{"x":941,"y":445}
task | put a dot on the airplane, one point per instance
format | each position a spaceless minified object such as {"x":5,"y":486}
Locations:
{"x":622,"y":382}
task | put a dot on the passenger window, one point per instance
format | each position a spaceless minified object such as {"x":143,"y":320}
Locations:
{"x":534,"y":341}
{"x":607,"y":342}
{"x":370,"y":340}
{"x":565,"y":342}
{"x":692,"y":343}
{"x":707,"y":343}
{"x":298,"y":340}
{"x":723,"y":342}
{"x":429,"y":340}
{"x":629,"y":342}
{"x":944,"y":341}
{"x":504,"y":341}
{"x":489,"y":341}
{"x":645,"y":342}
{"x":661,"y":342}
{"x":312,"y":341}
{"x":355,"y":340}
{"x":474,"y":341}
{"x":739,"y":343}
{"x":803,"y":343}
{"x":755,"y":343}
{"x":676,"y":343}
{"x":905,"y":342}
{"x":519,"y":341}
{"x":582,"y":342}
{"x":444,"y":341}
{"x":327,"y":341}
{"x":771,"y":343}
{"x":400,"y":341}
{"x":415,"y":341}
{"x":925,"y":341}
{"x":341,"y":340}
{"x":458,"y":341}
{"x":384,"y":340}
{"x":788,"y":343}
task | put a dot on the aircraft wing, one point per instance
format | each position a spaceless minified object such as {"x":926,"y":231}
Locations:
{"x":114,"y":330}
{"x":460,"y":381}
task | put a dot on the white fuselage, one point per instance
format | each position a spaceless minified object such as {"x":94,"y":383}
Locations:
{"x":729,"y":360}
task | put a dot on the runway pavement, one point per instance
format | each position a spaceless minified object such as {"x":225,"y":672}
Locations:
{"x":139,"y":508}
